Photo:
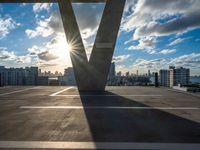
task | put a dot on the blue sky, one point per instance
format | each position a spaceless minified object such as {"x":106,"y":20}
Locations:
{"x":153,"y":35}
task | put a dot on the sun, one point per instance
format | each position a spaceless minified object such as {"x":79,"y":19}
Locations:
{"x":63,"y":48}
{"x":69,"y":47}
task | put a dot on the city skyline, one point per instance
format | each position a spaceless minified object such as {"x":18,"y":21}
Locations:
{"x":34,"y":76}
{"x":57,"y":73}
{"x":32,"y":34}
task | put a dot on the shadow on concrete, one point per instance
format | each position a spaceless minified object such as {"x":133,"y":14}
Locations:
{"x":135,"y":125}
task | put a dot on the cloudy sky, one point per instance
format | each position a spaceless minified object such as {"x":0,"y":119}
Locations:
{"x":153,"y":35}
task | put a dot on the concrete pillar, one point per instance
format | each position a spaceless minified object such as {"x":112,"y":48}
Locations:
{"x":92,"y":75}
{"x":156,"y":80}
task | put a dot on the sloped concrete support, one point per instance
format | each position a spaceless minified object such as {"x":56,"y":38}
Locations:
{"x":92,"y":75}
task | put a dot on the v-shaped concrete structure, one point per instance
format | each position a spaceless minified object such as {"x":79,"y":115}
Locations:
{"x":92,"y":75}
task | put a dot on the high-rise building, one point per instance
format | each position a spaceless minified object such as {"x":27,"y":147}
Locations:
{"x":156,"y":80}
{"x":127,"y":74}
{"x":137,"y":73}
{"x":164,"y":78}
{"x":111,"y":74}
{"x":149,"y":73}
{"x":119,"y":74}
{"x":181,"y":76}
{"x":174,"y":76}
{"x":171,"y":77}
{"x":112,"y":71}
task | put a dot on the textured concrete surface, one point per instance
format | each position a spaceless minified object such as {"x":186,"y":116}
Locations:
{"x":121,"y":114}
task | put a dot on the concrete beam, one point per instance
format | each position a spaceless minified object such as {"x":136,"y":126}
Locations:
{"x":51,"y":1}
{"x":78,"y":54}
{"x":92,"y":75}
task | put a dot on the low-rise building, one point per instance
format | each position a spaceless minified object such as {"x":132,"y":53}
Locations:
{"x":68,"y":78}
{"x":19,"y":76}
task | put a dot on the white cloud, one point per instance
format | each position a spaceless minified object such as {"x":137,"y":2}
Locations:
{"x":154,"y":10}
{"x":143,"y":65}
{"x":53,"y":54}
{"x":23,"y":4}
{"x":120,"y":58}
{"x":47,"y":56}
{"x":191,"y":61}
{"x":43,"y":29}
{"x":34,"y":50}
{"x":47,"y":26}
{"x":197,"y":40}
{"x":153,"y":18}
{"x":6,"y":55}
{"x":147,"y":43}
{"x":47,"y":52}
{"x":128,"y":41}
{"x":130,"y":6}
{"x":167,"y":51}
{"x":88,"y":22}
{"x":154,"y":63}
{"x":24,"y":59}
{"x":41,"y":6}
{"x":6,"y":25}
{"x":123,"y":68}
{"x":88,"y":32}
{"x":177,"y":41}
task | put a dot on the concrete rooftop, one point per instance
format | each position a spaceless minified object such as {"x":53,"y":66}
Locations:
{"x":120,"y":118}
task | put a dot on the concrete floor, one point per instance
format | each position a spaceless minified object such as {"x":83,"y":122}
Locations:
{"x":120,"y":118}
